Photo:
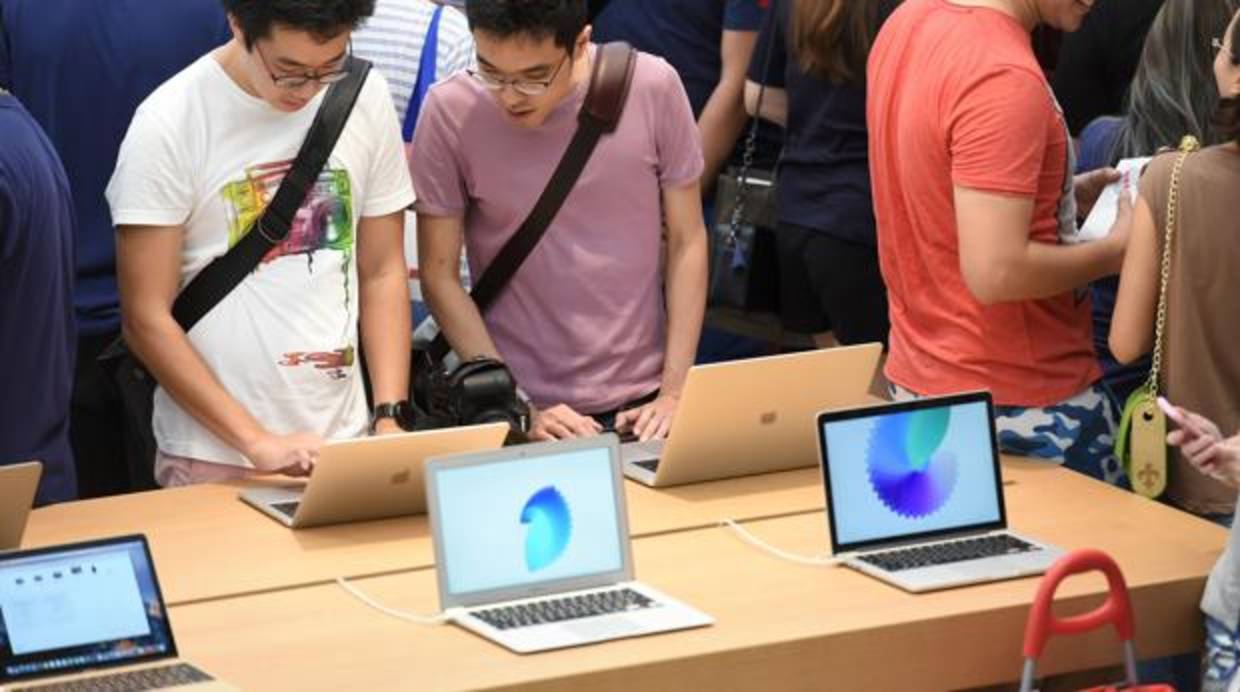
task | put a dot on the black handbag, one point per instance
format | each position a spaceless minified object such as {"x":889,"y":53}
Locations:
{"x":133,"y":381}
{"x":443,"y":391}
{"x":744,"y":261}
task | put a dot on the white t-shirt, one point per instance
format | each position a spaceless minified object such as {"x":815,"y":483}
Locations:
{"x":203,"y":154}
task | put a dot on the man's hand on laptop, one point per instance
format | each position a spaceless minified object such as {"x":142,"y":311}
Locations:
{"x":651,"y":421}
{"x":291,"y":455}
{"x":562,"y":423}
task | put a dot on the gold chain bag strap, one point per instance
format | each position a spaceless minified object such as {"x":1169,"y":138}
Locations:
{"x":1142,"y":441}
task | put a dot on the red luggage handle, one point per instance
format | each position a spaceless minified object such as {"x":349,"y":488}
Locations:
{"x":1115,"y":610}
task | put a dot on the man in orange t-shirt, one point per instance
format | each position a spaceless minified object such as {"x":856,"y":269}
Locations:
{"x":974,"y":198}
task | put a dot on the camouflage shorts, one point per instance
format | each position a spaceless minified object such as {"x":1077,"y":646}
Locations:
{"x":1221,"y":657}
{"x":1078,"y":433}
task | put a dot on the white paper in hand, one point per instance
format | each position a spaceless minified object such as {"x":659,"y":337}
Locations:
{"x":1102,"y":217}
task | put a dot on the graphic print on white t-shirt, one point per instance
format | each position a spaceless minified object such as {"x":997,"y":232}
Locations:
{"x":324,"y":223}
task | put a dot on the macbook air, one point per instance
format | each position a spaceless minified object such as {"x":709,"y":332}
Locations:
{"x":18,"y":484}
{"x":88,"y":616}
{"x":369,"y":478}
{"x":753,"y":416}
{"x":915,"y":495}
{"x":532,"y":548}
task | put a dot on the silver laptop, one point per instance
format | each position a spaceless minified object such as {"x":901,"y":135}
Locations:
{"x":532,"y":548}
{"x":88,"y":616}
{"x":18,"y":484}
{"x":915,"y":495}
{"x":368,"y":478}
{"x":752,"y":416}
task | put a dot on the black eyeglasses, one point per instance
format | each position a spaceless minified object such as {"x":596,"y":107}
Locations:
{"x":529,"y":87}
{"x":298,"y":81}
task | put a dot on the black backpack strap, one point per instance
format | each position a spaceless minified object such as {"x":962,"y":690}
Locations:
{"x":225,"y":273}
{"x":600,"y":114}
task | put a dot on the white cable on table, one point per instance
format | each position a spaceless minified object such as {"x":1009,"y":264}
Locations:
{"x":746,"y":536}
{"x":410,"y":617}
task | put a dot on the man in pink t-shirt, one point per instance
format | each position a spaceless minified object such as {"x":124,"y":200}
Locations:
{"x":974,"y":197}
{"x":601,"y":319}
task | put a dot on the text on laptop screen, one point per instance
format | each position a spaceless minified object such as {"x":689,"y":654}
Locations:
{"x":909,"y":472}
{"x":514,"y":523}
{"x":68,"y":610}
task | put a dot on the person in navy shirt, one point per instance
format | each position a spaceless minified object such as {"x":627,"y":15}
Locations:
{"x":36,"y":315}
{"x":830,"y":284}
{"x":709,"y":44}
{"x":81,"y":69}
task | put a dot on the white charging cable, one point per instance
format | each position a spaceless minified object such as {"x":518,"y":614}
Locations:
{"x":409,"y":617}
{"x":744,"y":534}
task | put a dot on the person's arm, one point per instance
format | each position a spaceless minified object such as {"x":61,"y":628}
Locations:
{"x":1132,"y":323}
{"x":1000,"y":262}
{"x":686,"y":306}
{"x":723,"y":117}
{"x":148,"y":263}
{"x":768,"y":65}
{"x":998,"y":141}
{"x":774,"y":103}
{"x":440,"y":243}
{"x":384,"y":297}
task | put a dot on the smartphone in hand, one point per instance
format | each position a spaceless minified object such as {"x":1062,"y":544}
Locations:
{"x":1178,"y":416}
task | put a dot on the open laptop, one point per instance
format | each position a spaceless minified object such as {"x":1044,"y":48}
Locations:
{"x":532,"y":547}
{"x":18,"y":484}
{"x":71,"y":613}
{"x":915,"y":496}
{"x":752,"y":416}
{"x":369,"y":478}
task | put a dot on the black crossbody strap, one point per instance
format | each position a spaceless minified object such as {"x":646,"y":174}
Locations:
{"x":225,"y":273}
{"x":600,"y":114}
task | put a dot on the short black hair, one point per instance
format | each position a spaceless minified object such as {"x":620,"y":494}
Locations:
{"x":562,"y":20}
{"x":325,"y":19}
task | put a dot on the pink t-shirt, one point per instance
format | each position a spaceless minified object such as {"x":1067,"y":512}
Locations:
{"x":583,"y":321}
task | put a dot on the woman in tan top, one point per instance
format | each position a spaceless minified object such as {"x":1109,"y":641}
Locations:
{"x":1201,"y":362}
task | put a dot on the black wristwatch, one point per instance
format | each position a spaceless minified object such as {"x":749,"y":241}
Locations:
{"x":399,"y":411}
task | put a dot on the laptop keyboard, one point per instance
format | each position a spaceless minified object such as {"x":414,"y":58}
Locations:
{"x":288,"y":509}
{"x":651,"y":465}
{"x":948,"y":552}
{"x":129,"y":681}
{"x":566,"y":608}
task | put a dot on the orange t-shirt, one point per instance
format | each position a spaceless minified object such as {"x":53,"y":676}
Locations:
{"x":956,"y":97}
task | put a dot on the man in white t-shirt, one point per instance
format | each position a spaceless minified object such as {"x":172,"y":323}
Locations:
{"x":273,"y":369}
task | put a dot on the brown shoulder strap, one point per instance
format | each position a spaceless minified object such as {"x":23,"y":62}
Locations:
{"x":609,"y":84}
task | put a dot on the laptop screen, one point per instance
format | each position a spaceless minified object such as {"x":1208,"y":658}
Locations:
{"x":909,"y":470}
{"x":82,"y":606}
{"x":518,"y":522}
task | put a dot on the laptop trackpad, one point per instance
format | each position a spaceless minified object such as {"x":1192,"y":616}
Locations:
{"x":266,"y":495}
{"x":650,"y":450}
{"x":604,"y":628}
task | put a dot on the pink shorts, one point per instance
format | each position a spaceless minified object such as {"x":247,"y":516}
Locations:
{"x":171,"y":472}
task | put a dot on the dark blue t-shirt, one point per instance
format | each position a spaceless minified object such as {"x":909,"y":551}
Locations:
{"x":824,"y":173}
{"x":687,"y":34}
{"x":37,"y":338}
{"x":1097,"y":150}
{"x":82,"y":68}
